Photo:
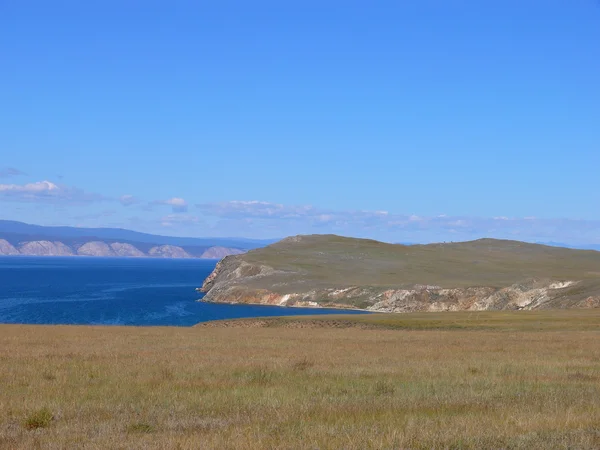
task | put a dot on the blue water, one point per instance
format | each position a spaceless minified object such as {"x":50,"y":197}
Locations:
{"x":115,"y":291}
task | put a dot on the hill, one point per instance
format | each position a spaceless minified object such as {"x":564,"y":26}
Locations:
{"x":330,"y":270}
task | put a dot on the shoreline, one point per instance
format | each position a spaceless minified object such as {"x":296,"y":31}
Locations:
{"x":111,"y":257}
{"x":317,"y":306}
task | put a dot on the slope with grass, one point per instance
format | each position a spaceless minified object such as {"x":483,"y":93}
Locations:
{"x":335,"y":271}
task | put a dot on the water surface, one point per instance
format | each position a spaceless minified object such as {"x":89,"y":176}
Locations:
{"x":115,"y":291}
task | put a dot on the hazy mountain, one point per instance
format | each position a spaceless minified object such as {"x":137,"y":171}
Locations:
{"x":28,"y":232}
{"x":17,"y":238}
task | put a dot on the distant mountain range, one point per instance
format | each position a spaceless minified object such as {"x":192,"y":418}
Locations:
{"x":18,"y":238}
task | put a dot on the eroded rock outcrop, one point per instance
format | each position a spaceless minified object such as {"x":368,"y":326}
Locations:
{"x":168,"y":251}
{"x":95,"y":248}
{"x":7,"y":249}
{"x":121,"y":249}
{"x":532,"y":295}
{"x":45,"y":248}
{"x":101,"y":248}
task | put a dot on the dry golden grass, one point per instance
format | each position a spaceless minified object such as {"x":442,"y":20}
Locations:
{"x":259,"y":388}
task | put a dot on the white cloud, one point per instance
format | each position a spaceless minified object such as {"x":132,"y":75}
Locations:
{"x":40,"y":186}
{"x":176,"y":201}
{"x":326,"y":217}
{"x":177,"y":204}
{"x":46,"y":191}
{"x":254,"y":208}
{"x":458,"y":223}
{"x":290,"y":219}
{"x":128,"y":200}
{"x":172,"y":220}
{"x":238,"y":209}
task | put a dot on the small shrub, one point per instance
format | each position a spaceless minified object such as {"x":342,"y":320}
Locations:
{"x":46,"y":375}
{"x":38,"y":419}
{"x":140,"y":427}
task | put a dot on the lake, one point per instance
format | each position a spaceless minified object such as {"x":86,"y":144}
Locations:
{"x":116,"y":291}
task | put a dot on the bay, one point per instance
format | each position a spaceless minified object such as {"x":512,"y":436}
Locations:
{"x":116,"y":291}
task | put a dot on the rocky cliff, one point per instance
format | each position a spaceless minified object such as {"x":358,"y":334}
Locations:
{"x":129,"y":250}
{"x":45,"y":248}
{"x":107,"y":249}
{"x":95,"y":248}
{"x":6,"y":248}
{"x":331,"y":271}
{"x":168,"y":251}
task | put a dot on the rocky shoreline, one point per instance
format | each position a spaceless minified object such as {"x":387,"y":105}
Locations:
{"x":524,"y":296}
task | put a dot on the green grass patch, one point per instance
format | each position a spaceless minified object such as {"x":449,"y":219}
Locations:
{"x":140,"y":427}
{"x":42,"y":418}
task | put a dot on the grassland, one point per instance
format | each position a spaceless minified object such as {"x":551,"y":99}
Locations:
{"x":524,"y":321}
{"x":329,"y":261}
{"x":461,"y":380}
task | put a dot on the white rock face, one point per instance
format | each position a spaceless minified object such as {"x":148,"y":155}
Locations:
{"x":561,"y":285}
{"x":45,"y":248}
{"x":168,"y":251}
{"x":6,"y":248}
{"x":95,"y":248}
{"x":121,"y":249}
{"x":220,"y":252}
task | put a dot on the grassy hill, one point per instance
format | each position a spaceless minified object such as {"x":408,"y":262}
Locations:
{"x":302,"y":264}
{"x":340,"y":261}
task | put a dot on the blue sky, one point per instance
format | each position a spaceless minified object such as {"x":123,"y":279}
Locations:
{"x":402,"y":121}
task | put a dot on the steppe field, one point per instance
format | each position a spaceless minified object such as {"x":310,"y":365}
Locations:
{"x":522,"y":380}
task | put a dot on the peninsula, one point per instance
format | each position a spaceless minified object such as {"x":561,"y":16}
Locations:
{"x":334,"y":271}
